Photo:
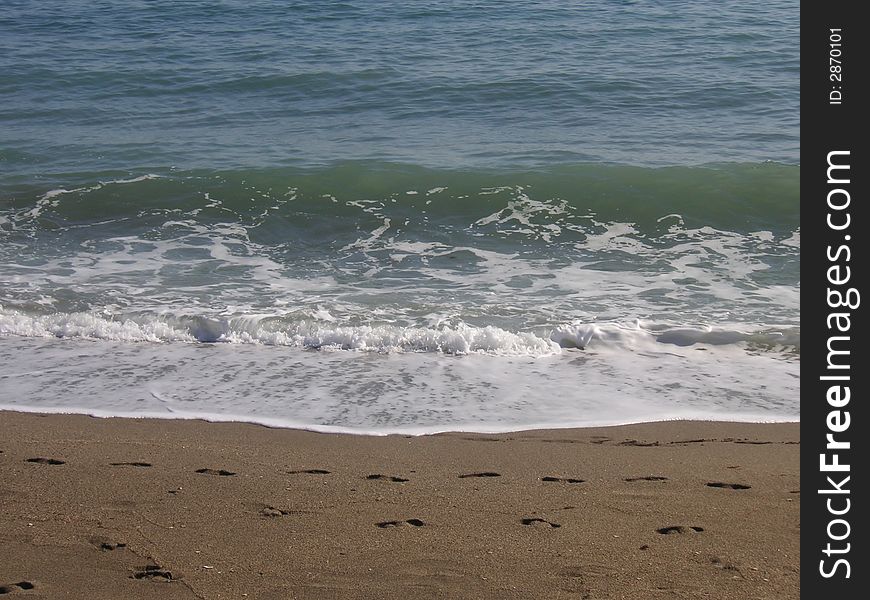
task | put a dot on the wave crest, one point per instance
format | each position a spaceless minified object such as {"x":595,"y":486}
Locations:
{"x":320,"y":334}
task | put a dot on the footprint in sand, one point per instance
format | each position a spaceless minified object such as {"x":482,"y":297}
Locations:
{"x":220,"y":472}
{"x":46,"y":461}
{"x":271,"y":511}
{"x":562,"y":479}
{"x":309,"y":471}
{"x":539,"y":521}
{"x":720,"y":564}
{"x":131,"y":464}
{"x":14,"y":587}
{"x":647,"y":478}
{"x":411,"y":522}
{"x":101,"y":543}
{"x":153,"y":573}
{"x":109,"y":546}
{"x":679,"y":529}
{"x":731,"y":486}
{"x":388,"y":478}
{"x":482,"y":474}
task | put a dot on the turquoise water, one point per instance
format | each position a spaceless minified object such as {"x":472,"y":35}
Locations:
{"x":401,"y":218}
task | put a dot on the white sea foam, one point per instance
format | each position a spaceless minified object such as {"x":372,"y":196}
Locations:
{"x":510,"y":311}
{"x":319,"y":329}
{"x":642,"y":335}
{"x":406,"y":392}
{"x":262,"y":329}
{"x":85,"y":325}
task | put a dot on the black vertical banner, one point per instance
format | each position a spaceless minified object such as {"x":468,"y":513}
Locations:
{"x":834,"y":266}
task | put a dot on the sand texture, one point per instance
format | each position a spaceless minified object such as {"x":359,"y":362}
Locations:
{"x":128,"y":508}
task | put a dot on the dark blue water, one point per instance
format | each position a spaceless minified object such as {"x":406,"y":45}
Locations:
{"x":93,"y":86}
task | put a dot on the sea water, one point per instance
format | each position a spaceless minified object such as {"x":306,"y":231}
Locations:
{"x":371,"y":217}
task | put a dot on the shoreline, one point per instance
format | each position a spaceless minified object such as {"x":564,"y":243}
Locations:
{"x":274,"y":423}
{"x":170,"y":508}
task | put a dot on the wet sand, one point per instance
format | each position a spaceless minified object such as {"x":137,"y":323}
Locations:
{"x":136,"y":508}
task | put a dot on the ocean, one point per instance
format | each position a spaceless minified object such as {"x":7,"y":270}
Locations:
{"x":401,"y":218}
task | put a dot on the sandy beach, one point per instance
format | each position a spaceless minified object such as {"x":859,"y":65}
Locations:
{"x":129,"y":508}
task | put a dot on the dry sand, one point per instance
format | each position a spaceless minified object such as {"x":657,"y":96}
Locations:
{"x":128,"y":508}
